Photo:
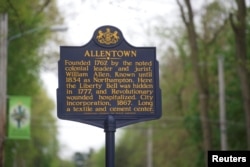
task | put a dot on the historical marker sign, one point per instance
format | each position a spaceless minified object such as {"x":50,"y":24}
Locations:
{"x":108,"y":76}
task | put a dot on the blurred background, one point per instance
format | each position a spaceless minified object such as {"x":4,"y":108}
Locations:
{"x":202,"y":47}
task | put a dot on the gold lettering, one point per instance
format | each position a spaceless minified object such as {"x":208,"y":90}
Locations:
{"x":145,"y":103}
{"x":117,"y":97}
{"x":120,"y":109}
{"x":98,"y":92}
{"x":127,"y":63}
{"x":101,"y":62}
{"x":112,"y":80}
{"x":71,"y":86}
{"x":77,"y":68}
{"x":87,"y":103}
{"x":114,"y":63}
{"x":110,"y":53}
{"x":142,"y":85}
{"x":146,"y":74}
{"x":90,"y":86}
{"x":143,"y":109}
{"x":142,"y":69}
{"x":101,"y":109}
{"x":144,"y":80}
{"x":69,"y":92}
{"x":82,"y":109}
{"x":107,"y":84}
{"x":123,"y":68}
{"x":103,"y":68}
{"x":143,"y":63}
{"x":127,"y":86}
{"x":75,"y":98}
{"x":73,"y":79}
{"x":124,"y":74}
{"x":111,"y":85}
{"x":101,"y":74}
{"x":82,"y":63}
{"x":77,"y":74}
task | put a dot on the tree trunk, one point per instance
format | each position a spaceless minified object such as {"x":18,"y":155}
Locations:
{"x":239,"y":28}
{"x":3,"y":82}
{"x":200,"y":80}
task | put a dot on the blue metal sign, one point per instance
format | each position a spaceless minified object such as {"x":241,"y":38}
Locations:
{"x":108,"y":77}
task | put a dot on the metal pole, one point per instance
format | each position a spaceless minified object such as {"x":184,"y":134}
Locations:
{"x":223,"y":128}
{"x":3,"y":81}
{"x":149,"y":147}
{"x":110,"y":128}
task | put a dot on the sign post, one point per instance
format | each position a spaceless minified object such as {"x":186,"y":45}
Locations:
{"x":108,"y":83}
{"x":110,"y":141}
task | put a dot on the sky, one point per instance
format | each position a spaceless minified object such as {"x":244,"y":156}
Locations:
{"x":82,"y":17}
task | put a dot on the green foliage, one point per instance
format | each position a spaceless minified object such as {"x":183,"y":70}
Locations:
{"x":28,"y":23}
{"x":98,"y":159}
{"x":135,"y":152}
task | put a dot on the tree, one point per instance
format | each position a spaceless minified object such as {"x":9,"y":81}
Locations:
{"x":239,"y":27}
{"x":200,"y":78}
{"x":24,"y":64}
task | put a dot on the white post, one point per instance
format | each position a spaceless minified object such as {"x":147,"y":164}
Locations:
{"x":223,"y":126}
{"x":149,"y":147}
{"x":3,"y":81}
